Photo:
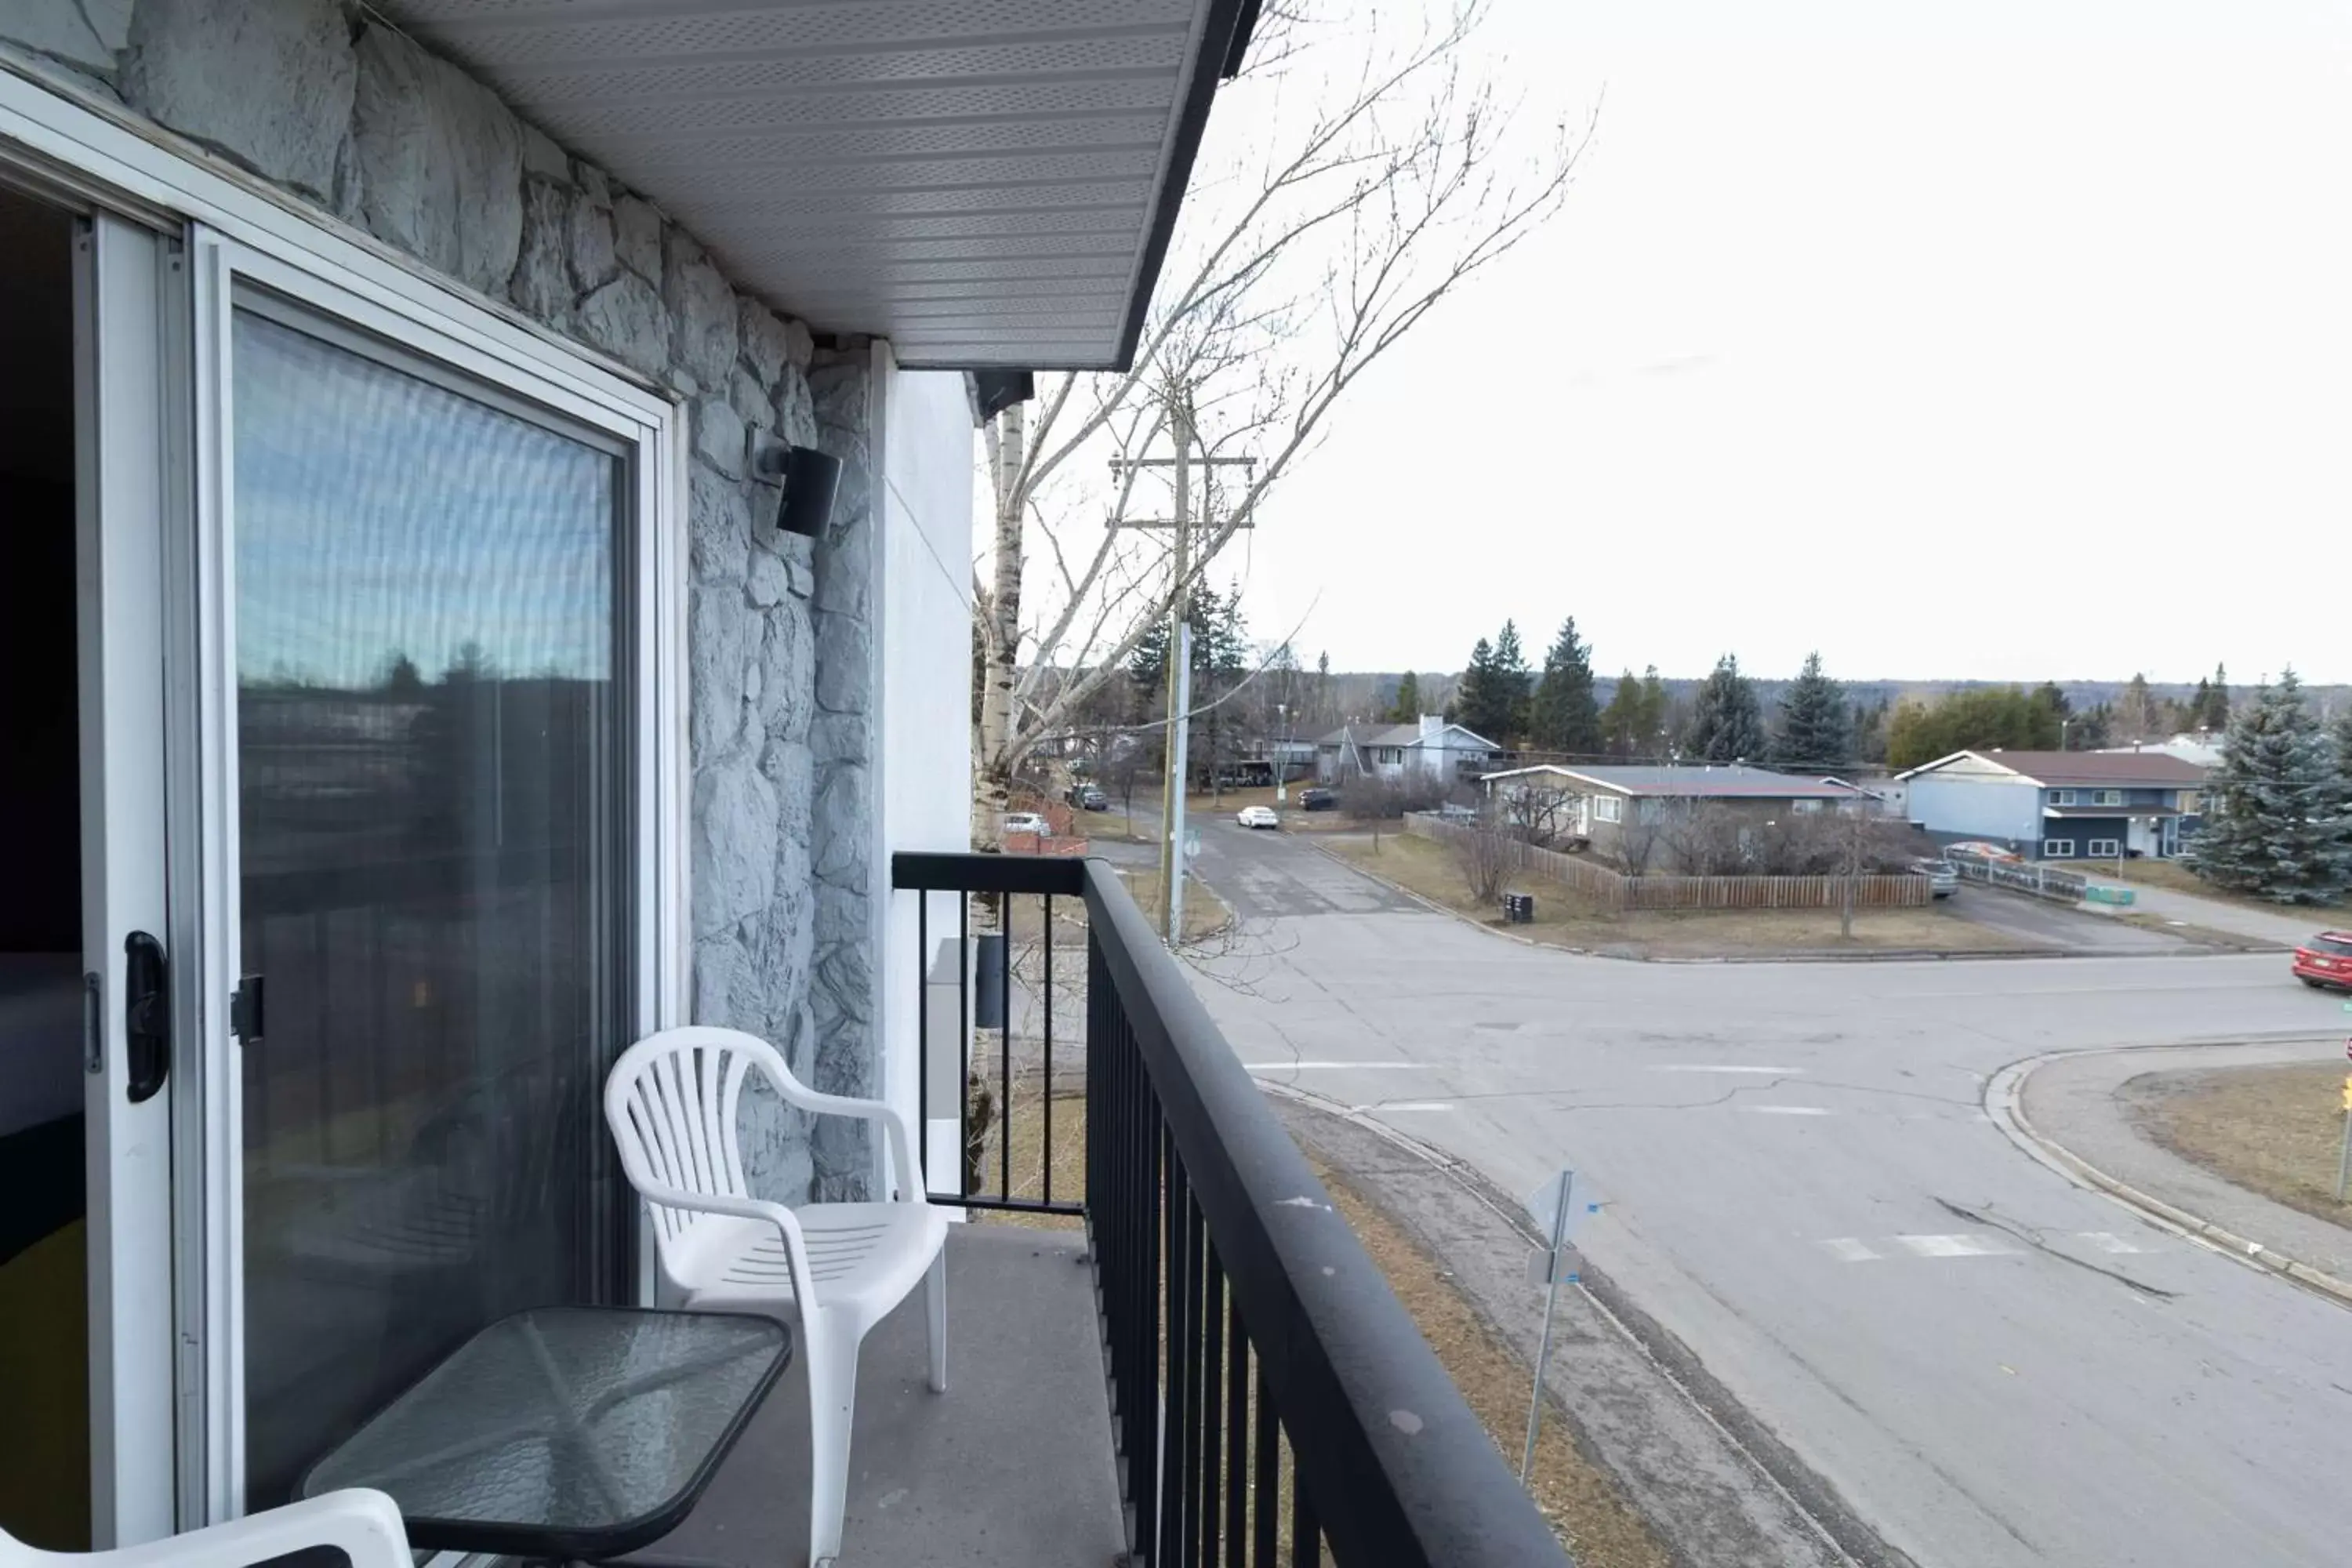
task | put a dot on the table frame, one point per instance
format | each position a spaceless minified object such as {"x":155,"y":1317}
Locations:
{"x":552,"y":1542}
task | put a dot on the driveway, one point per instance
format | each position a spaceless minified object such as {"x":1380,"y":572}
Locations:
{"x":2060,"y":926}
{"x":2285,"y":927}
{"x":1799,"y":1182}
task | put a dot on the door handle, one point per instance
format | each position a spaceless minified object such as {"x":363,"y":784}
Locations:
{"x":146,"y":1014}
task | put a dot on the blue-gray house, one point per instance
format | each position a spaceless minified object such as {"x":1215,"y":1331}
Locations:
{"x":2060,"y":806}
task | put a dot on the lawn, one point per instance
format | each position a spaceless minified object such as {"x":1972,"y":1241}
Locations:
{"x":1205,"y":914}
{"x":2273,"y":1129}
{"x":1566,"y":917}
{"x":2176,"y":877}
{"x":1116,"y":823}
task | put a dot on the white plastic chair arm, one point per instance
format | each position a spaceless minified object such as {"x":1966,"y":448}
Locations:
{"x":787,"y":1224}
{"x":893,"y":1127}
{"x":362,"y":1524}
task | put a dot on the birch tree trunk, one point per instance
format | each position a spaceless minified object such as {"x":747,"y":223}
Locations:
{"x":1001,"y":639}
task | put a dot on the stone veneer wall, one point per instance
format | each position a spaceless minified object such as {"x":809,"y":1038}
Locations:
{"x":326,"y":102}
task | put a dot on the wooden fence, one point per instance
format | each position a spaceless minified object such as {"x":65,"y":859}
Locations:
{"x":1619,"y":892}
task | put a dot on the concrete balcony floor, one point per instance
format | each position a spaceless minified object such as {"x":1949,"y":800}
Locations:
{"x":1010,"y":1466}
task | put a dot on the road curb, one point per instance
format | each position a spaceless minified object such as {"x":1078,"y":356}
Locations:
{"x":2004,"y":1101}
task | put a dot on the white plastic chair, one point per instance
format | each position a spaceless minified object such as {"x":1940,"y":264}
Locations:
{"x":672,"y":1100}
{"x":363,"y":1524}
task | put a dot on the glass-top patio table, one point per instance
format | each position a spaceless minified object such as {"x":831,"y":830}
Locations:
{"x":562,"y":1433}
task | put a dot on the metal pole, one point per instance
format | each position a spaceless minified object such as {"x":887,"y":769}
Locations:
{"x":1551,"y":1299}
{"x":1171,"y":787}
{"x":2344,"y":1147}
{"x":1176,"y":814}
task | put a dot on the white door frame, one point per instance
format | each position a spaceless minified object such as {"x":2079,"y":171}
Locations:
{"x":122,"y":281}
{"x":654,"y":592}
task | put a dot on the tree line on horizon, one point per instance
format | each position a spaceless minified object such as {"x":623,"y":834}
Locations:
{"x":1817,"y":722}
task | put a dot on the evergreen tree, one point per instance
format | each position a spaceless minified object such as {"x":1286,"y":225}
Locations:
{"x":2092,"y":728}
{"x":1727,"y":724}
{"x":2275,"y":814}
{"x":1814,"y":731}
{"x":1654,"y":710}
{"x":1474,"y":694}
{"x":2047,"y":725}
{"x":1405,"y":709}
{"x":1513,"y":682}
{"x":1562,"y":716}
{"x":1870,"y":731}
{"x":1493,"y":689}
{"x":2213,"y":712}
{"x":1620,"y":721}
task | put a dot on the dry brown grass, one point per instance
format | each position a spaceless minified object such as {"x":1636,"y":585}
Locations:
{"x":1597,"y":1526}
{"x":1113,"y":825}
{"x":2176,"y":877}
{"x":1228,"y":802}
{"x":1030,"y":1152}
{"x":1578,"y":1498}
{"x":1205,"y":914}
{"x":1566,"y":917}
{"x":2273,"y":1129}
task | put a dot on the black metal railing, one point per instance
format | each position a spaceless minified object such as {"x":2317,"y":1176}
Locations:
{"x":1272,"y":1401}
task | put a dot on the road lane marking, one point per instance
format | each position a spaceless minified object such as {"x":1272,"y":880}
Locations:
{"x":1727,"y":1067}
{"x":1331,"y":1066}
{"x":1412,"y":1105}
{"x":2108,"y":1241}
{"x":1786,"y":1110}
{"x":1962,"y":1246}
{"x":1859,"y":1250}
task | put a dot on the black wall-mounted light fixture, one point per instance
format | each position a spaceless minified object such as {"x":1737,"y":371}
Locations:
{"x":810,"y":480}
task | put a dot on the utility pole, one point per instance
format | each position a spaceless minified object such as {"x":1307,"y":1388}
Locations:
{"x":1180,"y":640}
{"x":1180,"y":682}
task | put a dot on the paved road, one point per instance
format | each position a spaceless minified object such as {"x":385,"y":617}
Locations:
{"x":1992,"y":1365}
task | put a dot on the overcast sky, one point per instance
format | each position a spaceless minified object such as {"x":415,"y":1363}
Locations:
{"x":2007,"y":339}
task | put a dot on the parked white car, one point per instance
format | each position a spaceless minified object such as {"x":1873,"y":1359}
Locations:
{"x":1258,"y":816}
{"x":1024,"y":822}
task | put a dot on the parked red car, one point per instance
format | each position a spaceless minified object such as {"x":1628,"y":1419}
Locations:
{"x":2325,"y":960}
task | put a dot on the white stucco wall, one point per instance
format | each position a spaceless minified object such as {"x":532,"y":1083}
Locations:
{"x":925,"y":628}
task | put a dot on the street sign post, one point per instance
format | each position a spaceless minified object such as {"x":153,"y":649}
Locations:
{"x":1552,"y":1207}
{"x":2343,"y":1145}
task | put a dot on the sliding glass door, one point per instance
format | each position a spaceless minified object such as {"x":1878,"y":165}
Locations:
{"x":434,"y":775}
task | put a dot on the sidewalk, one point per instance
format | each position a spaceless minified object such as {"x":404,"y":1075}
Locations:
{"x":2286,"y":927}
{"x":2073,"y":1102}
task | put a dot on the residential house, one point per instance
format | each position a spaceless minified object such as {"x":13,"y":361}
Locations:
{"x":1889,"y":793}
{"x":2202,"y":747}
{"x":2060,"y":806}
{"x":485,"y":490}
{"x":1615,"y":808}
{"x":1433,"y":749}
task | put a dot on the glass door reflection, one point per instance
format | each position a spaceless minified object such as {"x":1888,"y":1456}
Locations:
{"x":430,"y":757}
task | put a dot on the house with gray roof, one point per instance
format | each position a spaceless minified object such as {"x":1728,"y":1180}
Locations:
{"x":1434,"y":749}
{"x":2062,"y":806}
{"x":1608,"y":806}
